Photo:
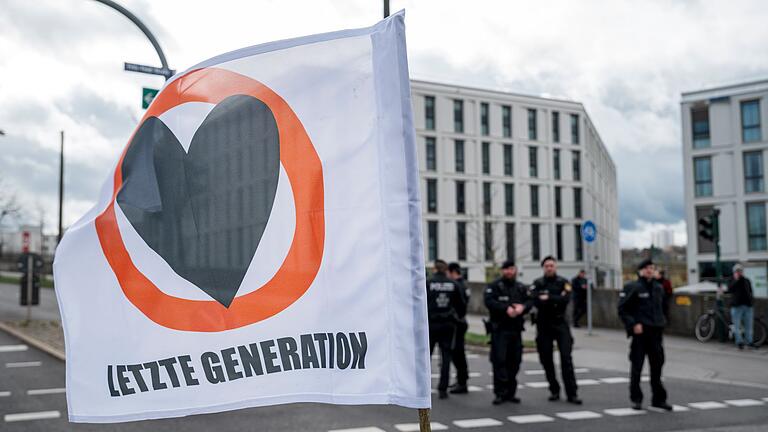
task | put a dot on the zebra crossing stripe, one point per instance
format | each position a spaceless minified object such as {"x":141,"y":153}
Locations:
{"x":579,"y":415}
{"x":708,"y":405}
{"x":414,"y":427}
{"x":532,"y":418}
{"x":623,"y":412}
{"x":744,"y":402}
{"x":476,"y":423}
{"x":41,"y":415}
{"x":13,"y":348}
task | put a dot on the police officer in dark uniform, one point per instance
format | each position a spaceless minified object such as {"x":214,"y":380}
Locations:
{"x":445,"y":304}
{"x":551,"y":294}
{"x":641,"y":308}
{"x":459,"y":356}
{"x":579,"y":284}
{"x":507,"y":301}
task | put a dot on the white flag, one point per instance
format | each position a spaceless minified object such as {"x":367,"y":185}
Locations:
{"x":258,"y":242}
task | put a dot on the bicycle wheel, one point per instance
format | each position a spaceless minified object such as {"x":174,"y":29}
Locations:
{"x":759,"y":332}
{"x":705,"y":327}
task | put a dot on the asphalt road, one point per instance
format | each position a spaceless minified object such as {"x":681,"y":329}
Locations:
{"x":31,"y":384}
{"x":11,"y":311}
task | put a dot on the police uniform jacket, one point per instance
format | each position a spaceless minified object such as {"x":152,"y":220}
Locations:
{"x":445,"y":299}
{"x":552,"y":310}
{"x":499,"y":295}
{"x":642,"y":301}
{"x":579,"y":286}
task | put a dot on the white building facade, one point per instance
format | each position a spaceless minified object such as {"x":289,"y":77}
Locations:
{"x":725,"y":141}
{"x":508,"y":176}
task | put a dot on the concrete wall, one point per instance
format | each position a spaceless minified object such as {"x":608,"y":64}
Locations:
{"x":604,"y":314}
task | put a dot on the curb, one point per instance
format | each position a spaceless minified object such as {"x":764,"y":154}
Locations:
{"x":53,"y":352}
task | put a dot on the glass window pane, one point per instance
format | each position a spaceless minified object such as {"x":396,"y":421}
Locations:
{"x":429,"y":112}
{"x":508,"y":159}
{"x":575,"y":128}
{"x":700,"y":126}
{"x":431,"y":151}
{"x":756,"y":227}
{"x":506,"y":116}
{"x":532,"y":124}
{"x":555,"y":126}
{"x":459,"y":153}
{"x":486,"y":157}
{"x":753,"y":172}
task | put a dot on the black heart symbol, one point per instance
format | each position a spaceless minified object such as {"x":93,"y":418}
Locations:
{"x":205,"y":211}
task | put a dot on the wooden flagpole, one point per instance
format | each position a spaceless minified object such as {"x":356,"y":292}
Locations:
{"x":424,"y":424}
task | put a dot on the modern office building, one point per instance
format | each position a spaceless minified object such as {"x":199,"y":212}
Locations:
{"x":513,"y":176}
{"x":724,"y":144}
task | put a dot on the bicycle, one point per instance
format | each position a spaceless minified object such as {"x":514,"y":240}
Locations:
{"x":707,"y":323}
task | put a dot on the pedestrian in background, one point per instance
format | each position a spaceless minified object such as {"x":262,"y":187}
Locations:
{"x":642,"y":310}
{"x":507,"y":301}
{"x":661,"y":278}
{"x":742,"y":307}
{"x":579,"y":284}
{"x":459,"y":356}
{"x":551,"y":295}
{"x":445,"y":304}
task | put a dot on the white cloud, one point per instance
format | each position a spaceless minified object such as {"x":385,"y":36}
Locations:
{"x":640,"y":236}
{"x":627,"y":61}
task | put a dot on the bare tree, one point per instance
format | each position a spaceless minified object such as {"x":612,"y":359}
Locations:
{"x":9,"y":206}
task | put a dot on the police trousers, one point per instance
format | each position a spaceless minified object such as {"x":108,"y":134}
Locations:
{"x":459,"y":355}
{"x":650,"y":344}
{"x":442,"y":334}
{"x":506,"y":355}
{"x":547,"y":335}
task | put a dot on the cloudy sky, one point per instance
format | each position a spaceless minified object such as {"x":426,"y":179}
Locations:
{"x":628,"y":61}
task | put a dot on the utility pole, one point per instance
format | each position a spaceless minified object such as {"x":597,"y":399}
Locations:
{"x":61,"y":189}
{"x":386,"y":8}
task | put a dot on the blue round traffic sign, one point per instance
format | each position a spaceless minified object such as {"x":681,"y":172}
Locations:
{"x":589,"y":231}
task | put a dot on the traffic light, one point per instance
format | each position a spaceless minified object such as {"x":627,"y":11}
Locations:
{"x":706,"y":228}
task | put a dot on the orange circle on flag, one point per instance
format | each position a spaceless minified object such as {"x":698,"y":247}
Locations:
{"x":297,"y":272}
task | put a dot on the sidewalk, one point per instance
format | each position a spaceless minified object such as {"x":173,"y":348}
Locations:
{"x":686,"y":358}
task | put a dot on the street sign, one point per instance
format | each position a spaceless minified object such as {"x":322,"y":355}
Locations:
{"x":589,"y":231}
{"x":25,"y":241}
{"x":147,"y":96}
{"x":152,"y":70}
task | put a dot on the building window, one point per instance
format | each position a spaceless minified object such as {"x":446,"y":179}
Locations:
{"x":460,"y":200}
{"x":555,"y":126}
{"x":458,"y":115}
{"x":486,"y":198}
{"x":556,"y":163}
{"x":431,"y":154}
{"x":490,"y":252}
{"x":509,"y":199}
{"x":486,"y":157}
{"x":576,"y":203}
{"x":575,"y":128}
{"x":558,"y":201}
{"x":702,"y":176}
{"x":535,"y":242}
{"x":485,"y":122}
{"x":510,"y":240}
{"x":458,"y":147}
{"x":429,"y":112}
{"x":508,"y":170}
{"x":531,"y":124}
{"x":506,"y":120}
{"x":756,"y":229}
{"x":750,"y":121}
{"x":704,"y":245}
{"x":700,"y":127}
{"x":578,"y":244}
{"x":753,"y":172}
{"x":431,"y":196}
{"x":432,"y":240}
{"x":576,"y":160}
{"x":534,"y":200}
{"x":533,"y":162}
{"x":461,"y":240}
{"x":559,"y":241}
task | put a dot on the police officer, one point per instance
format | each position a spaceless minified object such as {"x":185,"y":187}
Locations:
{"x":507,"y":301}
{"x":551,"y":294}
{"x":579,"y":284}
{"x":445,"y":304}
{"x":641,"y":308}
{"x":459,"y":356}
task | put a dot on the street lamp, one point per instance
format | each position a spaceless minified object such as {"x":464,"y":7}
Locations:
{"x":164,"y":70}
